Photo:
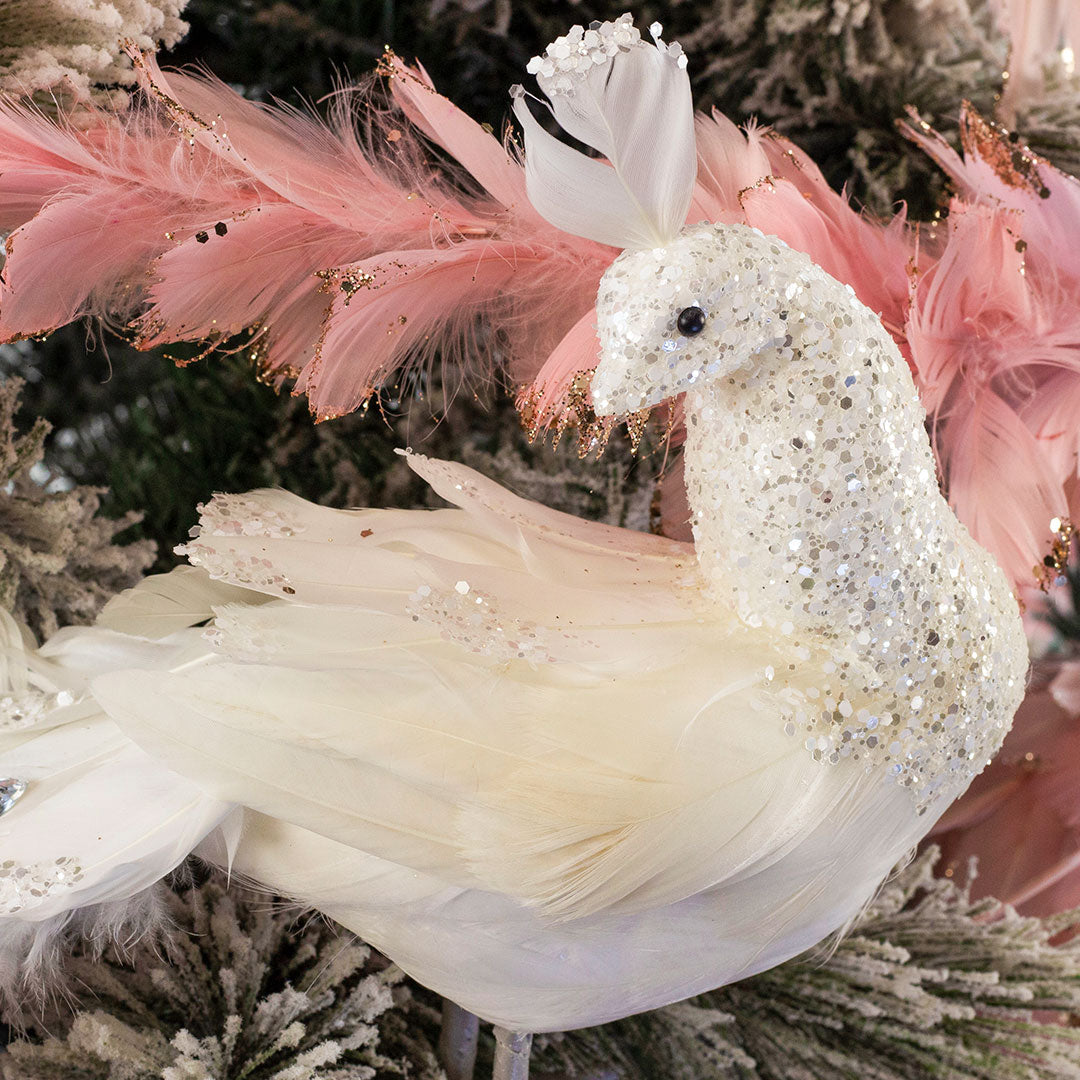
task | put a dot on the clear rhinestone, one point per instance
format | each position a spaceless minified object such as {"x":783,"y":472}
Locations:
{"x":11,"y":791}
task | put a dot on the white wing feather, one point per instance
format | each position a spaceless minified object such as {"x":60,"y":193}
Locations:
{"x":573,"y":783}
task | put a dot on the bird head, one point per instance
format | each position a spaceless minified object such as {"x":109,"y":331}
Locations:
{"x":671,"y":318}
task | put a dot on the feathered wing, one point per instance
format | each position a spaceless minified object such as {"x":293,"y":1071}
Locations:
{"x":99,"y":821}
{"x":506,"y":698}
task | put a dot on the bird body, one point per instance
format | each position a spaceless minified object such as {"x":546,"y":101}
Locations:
{"x":562,"y":772}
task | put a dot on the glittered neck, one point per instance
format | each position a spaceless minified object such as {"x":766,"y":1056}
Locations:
{"x":815,"y":506}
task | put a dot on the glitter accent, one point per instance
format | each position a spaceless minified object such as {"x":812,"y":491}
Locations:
{"x":18,"y":712}
{"x":1012,"y":162}
{"x":25,"y":887}
{"x":21,"y":711}
{"x":11,"y":791}
{"x":816,"y":510}
{"x":1053,"y":567}
{"x":472,"y":619}
{"x":239,"y":515}
{"x":235,"y":635}
{"x":569,"y":59}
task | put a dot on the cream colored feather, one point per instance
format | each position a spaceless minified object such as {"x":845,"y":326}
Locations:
{"x":630,"y":102}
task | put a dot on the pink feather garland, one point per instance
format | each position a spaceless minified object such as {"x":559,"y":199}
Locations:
{"x":199,"y":215}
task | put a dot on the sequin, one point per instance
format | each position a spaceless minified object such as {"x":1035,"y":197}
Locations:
{"x":815,"y":505}
{"x":25,"y":887}
{"x":227,"y":516}
{"x":472,"y":619}
{"x":240,"y":515}
{"x":570,"y":58}
{"x":19,"y":712}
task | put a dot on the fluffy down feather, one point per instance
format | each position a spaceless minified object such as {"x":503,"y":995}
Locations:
{"x":100,"y":822}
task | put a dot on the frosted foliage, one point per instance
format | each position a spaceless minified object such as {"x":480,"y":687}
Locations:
{"x":1051,"y":124}
{"x":248,"y":991}
{"x":926,"y":984}
{"x":58,"y":560}
{"x":74,"y":45}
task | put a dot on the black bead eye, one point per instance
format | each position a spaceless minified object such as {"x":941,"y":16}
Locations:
{"x":691,"y":321}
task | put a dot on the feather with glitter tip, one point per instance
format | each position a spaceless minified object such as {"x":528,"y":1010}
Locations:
{"x":629,"y":101}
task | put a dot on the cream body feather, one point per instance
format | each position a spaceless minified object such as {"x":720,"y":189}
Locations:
{"x":534,"y":794}
{"x":99,"y":821}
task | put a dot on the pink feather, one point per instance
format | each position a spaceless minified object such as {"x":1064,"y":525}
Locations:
{"x":39,"y":158}
{"x":997,"y":171}
{"x":399,"y":302}
{"x":241,"y":272}
{"x":730,"y":162}
{"x":1000,"y":483}
{"x":1034,"y":778}
{"x":576,"y":352}
{"x":990,"y":338}
{"x":476,"y":149}
{"x":200,"y":215}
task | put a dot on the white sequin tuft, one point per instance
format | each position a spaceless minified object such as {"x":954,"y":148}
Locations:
{"x":19,"y":712}
{"x":570,"y":58}
{"x":472,"y":619}
{"x":815,"y":503}
{"x":239,"y":516}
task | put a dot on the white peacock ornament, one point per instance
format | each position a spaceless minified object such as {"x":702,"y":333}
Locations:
{"x":559,"y":772}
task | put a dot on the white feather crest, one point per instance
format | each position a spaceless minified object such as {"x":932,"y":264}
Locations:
{"x":631,"y":102}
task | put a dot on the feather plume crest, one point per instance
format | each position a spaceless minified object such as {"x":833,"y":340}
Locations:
{"x":629,"y":101}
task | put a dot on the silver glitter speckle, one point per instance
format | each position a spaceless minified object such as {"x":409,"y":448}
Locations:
{"x":815,"y":504}
{"x":472,"y":619}
{"x":227,"y":516}
{"x":25,"y":887}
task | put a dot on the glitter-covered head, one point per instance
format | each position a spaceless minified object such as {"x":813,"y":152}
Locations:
{"x":673,"y":317}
